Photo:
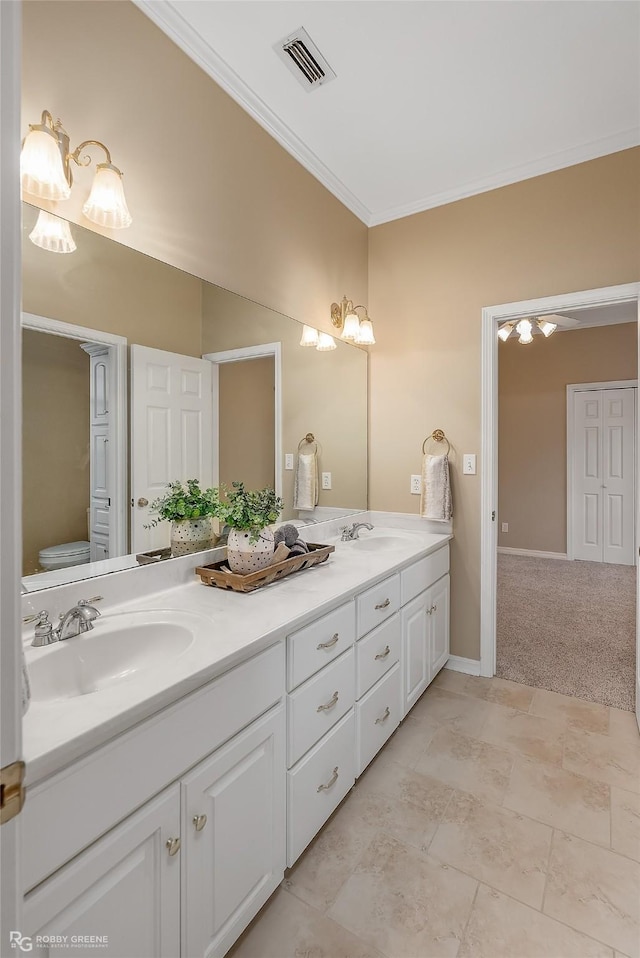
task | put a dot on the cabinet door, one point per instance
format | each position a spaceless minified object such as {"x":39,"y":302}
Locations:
{"x":415,"y":650}
{"x":235,"y":857}
{"x":438,"y":599}
{"x":124,"y":888}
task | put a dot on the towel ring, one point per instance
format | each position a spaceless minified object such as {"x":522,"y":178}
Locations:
{"x":310,"y":439}
{"x":438,"y":436}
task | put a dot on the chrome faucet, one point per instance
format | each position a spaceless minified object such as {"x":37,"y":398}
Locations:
{"x":351,"y":533}
{"x":76,"y":621}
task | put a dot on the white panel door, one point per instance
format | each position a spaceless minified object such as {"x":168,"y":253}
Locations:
{"x":171,"y":433}
{"x":125,"y":887}
{"x":603,"y":472}
{"x":618,"y":506}
{"x":234,"y":817}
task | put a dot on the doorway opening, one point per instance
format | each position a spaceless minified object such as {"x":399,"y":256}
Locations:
{"x":535,"y":484}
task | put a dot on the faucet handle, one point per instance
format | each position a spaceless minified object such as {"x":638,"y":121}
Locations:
{"x":95,"y":598}
{"x":40,"y":617}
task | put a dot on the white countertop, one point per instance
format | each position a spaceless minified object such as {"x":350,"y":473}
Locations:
{"x":230,"y":627}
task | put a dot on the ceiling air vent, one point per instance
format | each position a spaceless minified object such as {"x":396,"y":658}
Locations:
{"x":302,"y":57}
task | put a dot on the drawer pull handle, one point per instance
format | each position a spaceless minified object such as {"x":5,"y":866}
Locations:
{"x":383,"y":655}
{"x":384,"y":605}
{"x":199,"y":821}
{"x":330,"y":643}
{"x":333,"y":701}
{"x":332,"y":781}
{"x":173,"y":844}
{"x":385,"y":715}
{"x":431,"y":610}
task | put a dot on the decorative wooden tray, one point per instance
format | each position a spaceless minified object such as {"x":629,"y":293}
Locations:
{"x":215,"y":573}
{"x":156,"y":555}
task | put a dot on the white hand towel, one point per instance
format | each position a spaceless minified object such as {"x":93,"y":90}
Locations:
{"x":305,"y":495}
{"x":435,"y":498}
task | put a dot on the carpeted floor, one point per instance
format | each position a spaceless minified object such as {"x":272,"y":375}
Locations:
{"x":568,"y":627}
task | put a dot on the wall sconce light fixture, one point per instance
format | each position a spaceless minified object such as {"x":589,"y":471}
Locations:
{"x":46,"y":173}
{"x":313,"y":337}
{"x":344,"y":316}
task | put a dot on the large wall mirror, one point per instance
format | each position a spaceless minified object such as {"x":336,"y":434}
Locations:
{"x":95,"y":319}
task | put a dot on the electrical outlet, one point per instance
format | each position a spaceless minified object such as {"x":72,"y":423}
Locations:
{"x":469,"y":464}
{"x":326,"y":480}
{"x":505,"y":526}
{"x":288,"y":460}
{"x":416,"y":485}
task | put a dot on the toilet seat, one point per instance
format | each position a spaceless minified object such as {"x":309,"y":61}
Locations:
{"x":65,"y":554}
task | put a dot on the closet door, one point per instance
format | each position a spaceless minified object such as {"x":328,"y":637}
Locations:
{"x":587,"y":476}
{"x":618,"y":464}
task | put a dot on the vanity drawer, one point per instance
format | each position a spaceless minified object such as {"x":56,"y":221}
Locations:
{"x":317,"y":644}
{"x":377,"y":716}
{"x":317,"y":785}
{"x":423,"y":573}
{"x":376,"y":653}
{"x":317,"y":705}
{"x":377,"y":604}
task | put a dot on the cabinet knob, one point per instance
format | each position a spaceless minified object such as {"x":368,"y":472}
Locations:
{"x":383,"y":655}
{"x":333,"y":701}
{"x":142,"y":502}
{"x":173,"y":844}
{"x":330,"y":643}
{"x":199,"y":821}
{"x":383,"y":718}
{"x":431,"y":610}
{"x":384,"y":605}
{"x":332,"y":781}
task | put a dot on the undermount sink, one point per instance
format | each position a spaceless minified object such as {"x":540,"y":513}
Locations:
{"x":120,"y":647}
{"x":379,"y":540}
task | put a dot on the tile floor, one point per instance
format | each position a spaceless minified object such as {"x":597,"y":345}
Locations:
{"x":500,"y":821}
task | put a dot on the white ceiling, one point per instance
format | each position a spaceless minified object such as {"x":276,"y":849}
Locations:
{"x":433,"y":101}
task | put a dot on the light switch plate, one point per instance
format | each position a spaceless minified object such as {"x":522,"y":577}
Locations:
{"x":288,"y":460}
{"x":469,"y":464}
{"x":505,"y":527}
{"x":416,"y":482}
{"x":326,"y":480}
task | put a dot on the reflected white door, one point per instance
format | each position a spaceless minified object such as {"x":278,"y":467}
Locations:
{"x":171,"y":433}
{"x":602,"y":461}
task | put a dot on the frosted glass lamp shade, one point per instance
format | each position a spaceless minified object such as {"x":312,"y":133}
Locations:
{"x":106,"y":204}
{"x":524,"y":330}
{"x":505,"y":331}
{"x":52,"y":233}
{"x":365,"y":333}
{"x":309,"y":336}
{"x":546,"y":327}
{"x":325,"y":342}
{"x":41,"y":167}
{"x":351,"y":327}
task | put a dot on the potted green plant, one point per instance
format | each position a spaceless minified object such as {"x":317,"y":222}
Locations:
{"x":190,"y":510}
{"x":248,"y":515}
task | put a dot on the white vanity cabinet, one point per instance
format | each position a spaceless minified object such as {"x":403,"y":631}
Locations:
{"x":185,"y":873}
{"x":425,"y":624}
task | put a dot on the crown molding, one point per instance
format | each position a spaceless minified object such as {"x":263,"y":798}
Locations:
{"x":170,"y":21}
{"x":547,"y":164}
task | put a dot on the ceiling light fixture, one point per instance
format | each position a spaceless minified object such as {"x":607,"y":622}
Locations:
{"x":344,"y":316}
{"x":525,"y":329}
{"x":45,"y":172}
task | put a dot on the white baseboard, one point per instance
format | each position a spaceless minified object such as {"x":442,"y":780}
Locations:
{"x":459,"y":664}
{"x":504,"y":550}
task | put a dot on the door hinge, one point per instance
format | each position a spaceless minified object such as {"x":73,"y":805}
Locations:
{"x":493,"y":516}
{"x":12,"y":791}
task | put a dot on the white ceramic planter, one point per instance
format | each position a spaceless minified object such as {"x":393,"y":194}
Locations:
{"x":245,"y":556}
{"x":191,"y":535}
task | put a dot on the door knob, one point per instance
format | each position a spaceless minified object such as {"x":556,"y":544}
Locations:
{"x":142,"y":502}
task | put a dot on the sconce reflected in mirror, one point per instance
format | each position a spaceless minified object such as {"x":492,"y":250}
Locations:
{"x":46,"y":173}
{"x":344,"y":316}
{"x":323,"y":342}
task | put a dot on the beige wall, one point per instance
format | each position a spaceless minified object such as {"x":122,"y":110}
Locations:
{"x":247,"y":422}
{"x":55,"y":452}
{"x":324,"y":393}
{"x":532,"y":443}
{"x":430,"y":275}
{"x":209,"y":190}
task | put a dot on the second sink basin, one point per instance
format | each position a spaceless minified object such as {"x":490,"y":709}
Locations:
{"x":120,"y":647}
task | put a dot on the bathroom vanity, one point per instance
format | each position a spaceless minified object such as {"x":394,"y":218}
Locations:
{"x":163,"y":809}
